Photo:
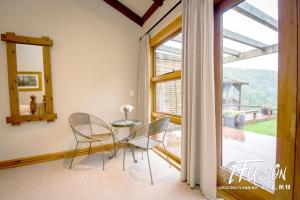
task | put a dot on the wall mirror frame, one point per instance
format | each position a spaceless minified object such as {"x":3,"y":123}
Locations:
{"x":12,"y":40}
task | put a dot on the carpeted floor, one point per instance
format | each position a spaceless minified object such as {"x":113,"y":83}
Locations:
{"x":86,"y":180}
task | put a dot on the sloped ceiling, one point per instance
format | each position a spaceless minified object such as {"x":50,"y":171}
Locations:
{"x":140,"y":7}
{"x":139,"y":11}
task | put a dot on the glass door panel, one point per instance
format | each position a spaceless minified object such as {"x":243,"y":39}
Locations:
{"x":250,"y":90}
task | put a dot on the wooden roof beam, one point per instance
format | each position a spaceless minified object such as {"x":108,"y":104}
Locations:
{"x":243,"y":39}
{"x":257,"y":15}
{"x":251,"y":54}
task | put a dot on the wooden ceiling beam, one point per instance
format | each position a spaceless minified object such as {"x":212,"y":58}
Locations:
{"x":132,"y":15}
{"x":136,"y":18}
{"x":125,"y":11}
{"x":156,"y":4}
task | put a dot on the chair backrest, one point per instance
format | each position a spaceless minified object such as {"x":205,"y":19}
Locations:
{"x":82,"y":124}
{"x":159,"y":126}
{"x":77,"y":119}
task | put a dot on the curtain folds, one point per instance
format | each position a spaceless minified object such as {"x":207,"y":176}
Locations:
{"x":144,"y":81}
{"x":199,"y":163}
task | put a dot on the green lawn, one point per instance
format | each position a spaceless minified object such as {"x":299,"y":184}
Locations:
{"x":265,"y":128}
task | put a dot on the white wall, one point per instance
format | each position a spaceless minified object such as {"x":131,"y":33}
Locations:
{"x":94,"y":65}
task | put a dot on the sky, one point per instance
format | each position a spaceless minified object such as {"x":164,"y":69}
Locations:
{"x":243,"y":25}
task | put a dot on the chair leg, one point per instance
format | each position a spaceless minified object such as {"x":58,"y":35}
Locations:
{"x":114,"y":141}
{"x":102,"y":151}
{"x":73,"y":155}
{"x":124,"y":159}
{"x":90,"y":148}
{"x":142,"y":154}
{"x":149,"y":167}
{"x":166,"y":154}
{"x":132,"y":152}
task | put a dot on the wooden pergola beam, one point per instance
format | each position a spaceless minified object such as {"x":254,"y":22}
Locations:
{"x":169,"y":57}
{"x":251,"y":54}
{"x":176,"y":40}
{"x":169,"y":49}
{"x":231,"y":51}
{"x":254,"y":13}
{"x":243,"y":39}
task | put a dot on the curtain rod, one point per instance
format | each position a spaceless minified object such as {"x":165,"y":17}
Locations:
{"x":162,"y":18}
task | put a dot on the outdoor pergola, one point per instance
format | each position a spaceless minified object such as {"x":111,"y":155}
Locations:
{"x":259,"y":48}
{"x":170,"y":52}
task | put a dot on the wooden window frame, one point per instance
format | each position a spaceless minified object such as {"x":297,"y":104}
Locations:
{"x":168,"y":32}
{"x":287,"y":101}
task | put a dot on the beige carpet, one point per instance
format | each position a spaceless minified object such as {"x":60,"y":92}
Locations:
{"x":54,"y":181}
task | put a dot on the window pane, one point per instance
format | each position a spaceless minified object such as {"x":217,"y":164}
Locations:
{"x":168,"y":97}
{"x":249,"y":99}
{"x":172,"y":139}
{"x":168,"y":55}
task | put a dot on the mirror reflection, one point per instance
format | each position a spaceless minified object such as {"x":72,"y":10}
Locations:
{"x":30,"y":79}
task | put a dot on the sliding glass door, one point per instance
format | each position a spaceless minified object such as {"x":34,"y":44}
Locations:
{"x":251,"y":115}
{"x":249,"y":89}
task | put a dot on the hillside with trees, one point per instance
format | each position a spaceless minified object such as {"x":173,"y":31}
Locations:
{"x":262,"y":88}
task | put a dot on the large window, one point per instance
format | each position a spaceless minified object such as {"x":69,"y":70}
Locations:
{"x":166,"y":83}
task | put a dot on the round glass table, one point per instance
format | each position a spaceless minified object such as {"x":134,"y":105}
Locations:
{"x":130,"y":123}
{"x":126,"y":123}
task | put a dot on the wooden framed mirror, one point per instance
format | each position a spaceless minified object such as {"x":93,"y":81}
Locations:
{"x":29,"y":78}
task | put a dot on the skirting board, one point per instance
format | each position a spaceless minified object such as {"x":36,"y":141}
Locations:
{"x":54,"y":156}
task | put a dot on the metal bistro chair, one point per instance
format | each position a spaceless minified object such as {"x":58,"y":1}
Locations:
{"x":88,"y":129}
{"x":144,"y":138}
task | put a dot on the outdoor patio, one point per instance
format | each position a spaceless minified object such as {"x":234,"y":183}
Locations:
{"x":240,"y":145}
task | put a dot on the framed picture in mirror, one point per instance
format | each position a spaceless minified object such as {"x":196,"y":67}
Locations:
{"x":29,"y":81}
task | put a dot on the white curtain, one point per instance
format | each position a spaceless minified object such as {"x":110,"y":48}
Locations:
{"x":198,"y":164}
{"x":144,"y":81}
